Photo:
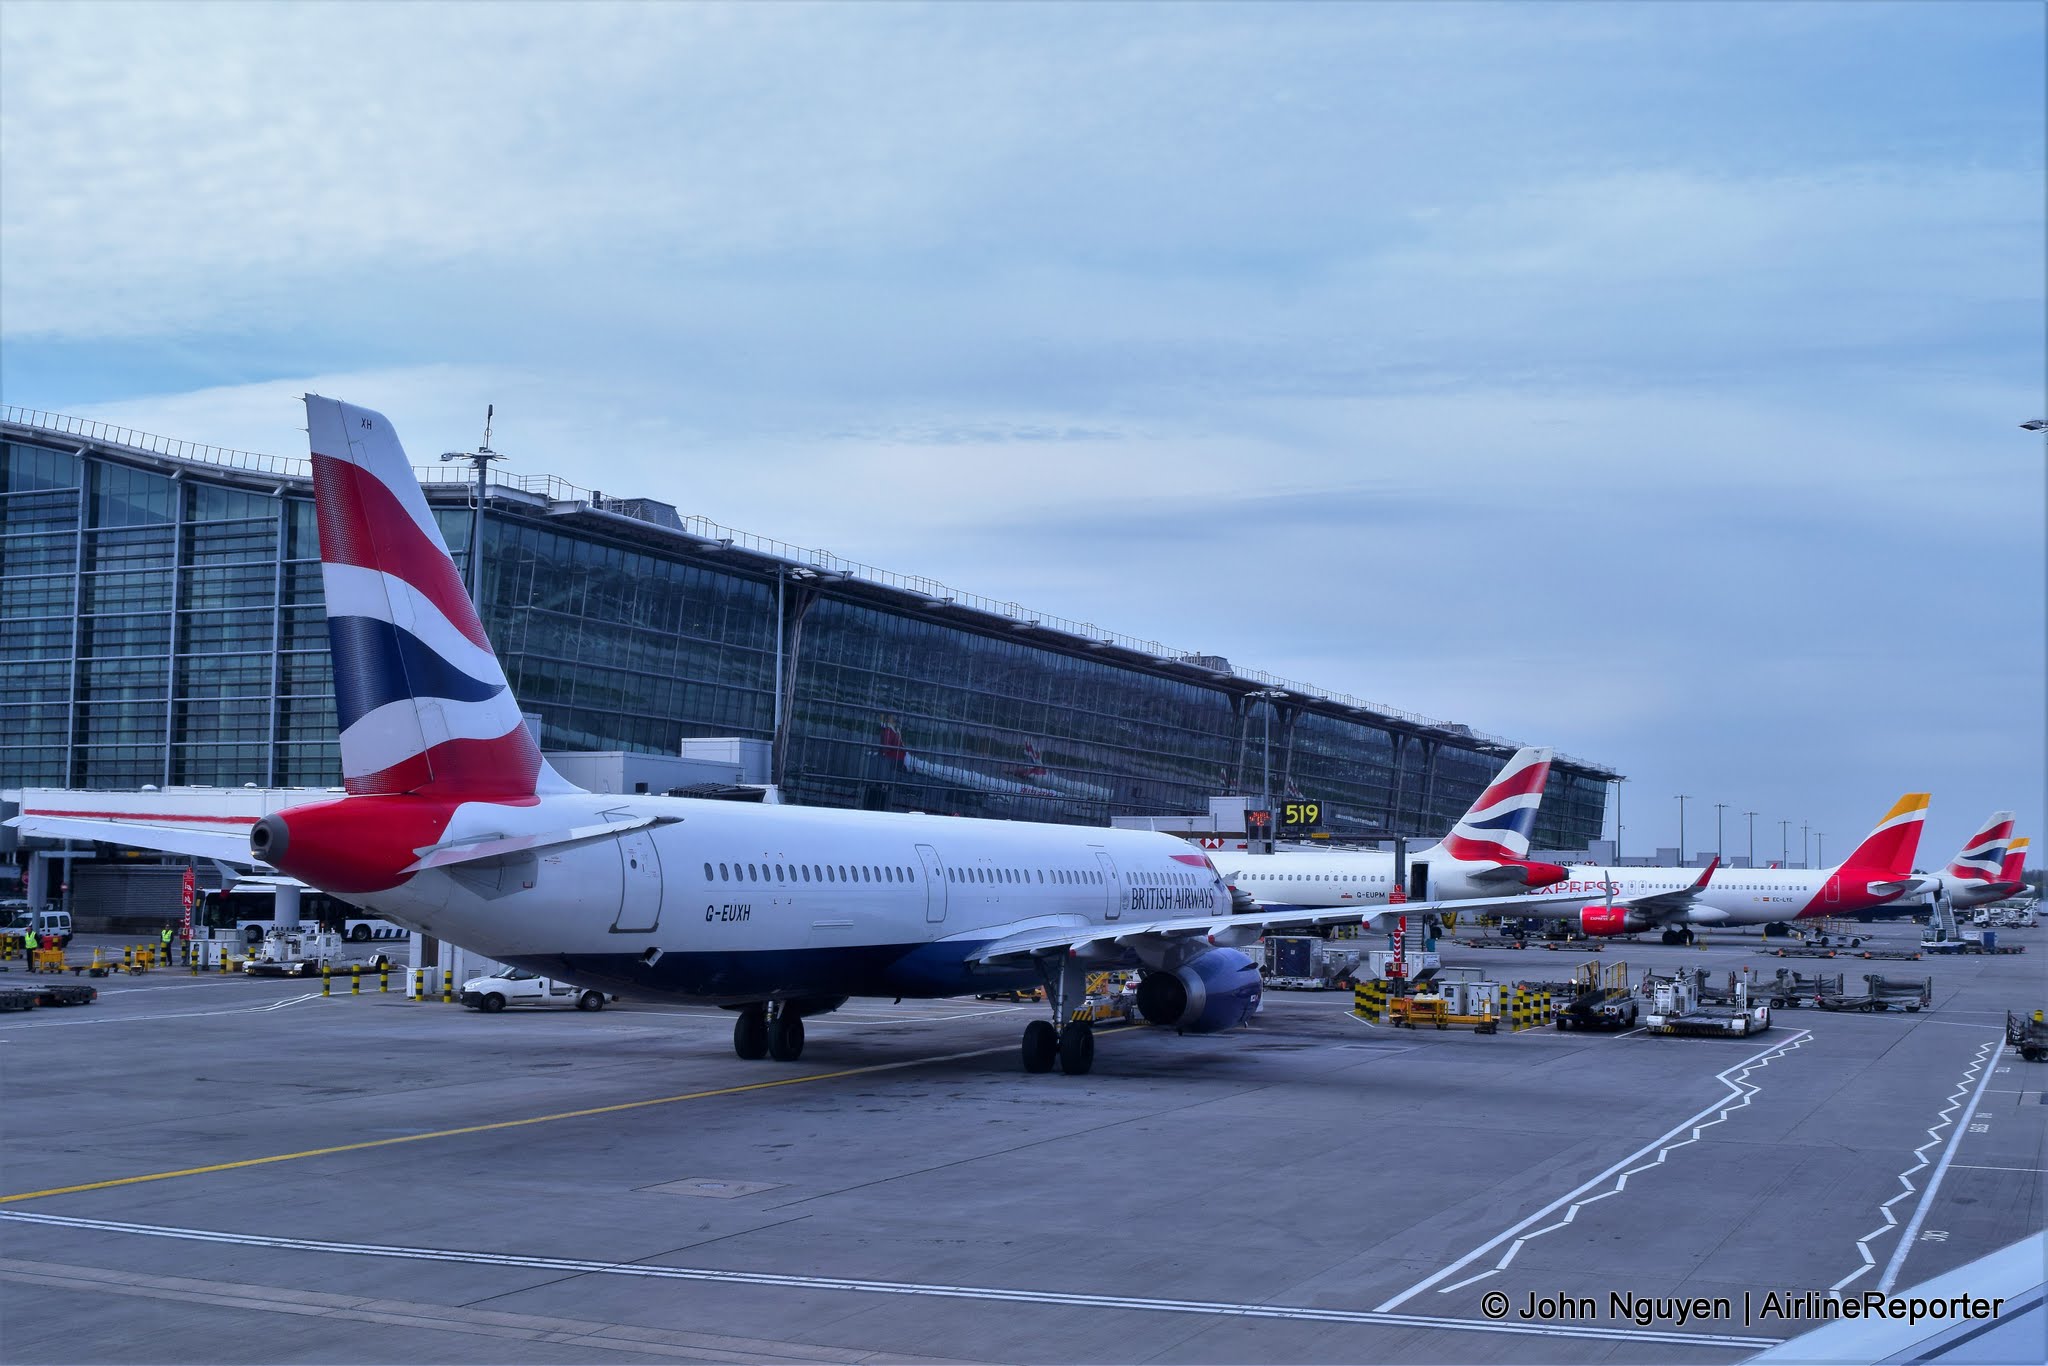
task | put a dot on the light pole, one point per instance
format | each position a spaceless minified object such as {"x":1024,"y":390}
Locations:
{"x":1785,"y":844}
{"x":1752,"y":837}
{"x":1805,"y":846}
{"x":1719,"y":848}
{"x":1820,"y":849}
{"x":1269,"y":696}
{"x":1618,"y":827}
{"x":481,"y":457}
{"x":1683,"y":798}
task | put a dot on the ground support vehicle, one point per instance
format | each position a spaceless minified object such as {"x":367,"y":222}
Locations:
{"x":1675,"y":1008}
{"x":13,"y":998}
{"x":2029,"y":1034}
{"x":1912,"y":994}
{"x":1803,"y":953}
{"x":1602,"y":1000}
{"x":303,"y":952}
{"x":1447,"y":1004}
{"x":64,"y":994}
{"x":1901,"y":955}
{"x":1294,"y":962}
{"x":1789,"y":990}
{"x":518,"y":987}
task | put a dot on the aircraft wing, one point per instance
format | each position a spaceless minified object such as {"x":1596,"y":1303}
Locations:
{"x":1169,"y":943}
{"x":1657,"y":907}
{"x":222,"y":846}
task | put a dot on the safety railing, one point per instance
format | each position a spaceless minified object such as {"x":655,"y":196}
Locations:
{"x":823,"y":563}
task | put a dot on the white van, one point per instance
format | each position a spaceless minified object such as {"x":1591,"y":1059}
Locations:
{"x":35,"y":924}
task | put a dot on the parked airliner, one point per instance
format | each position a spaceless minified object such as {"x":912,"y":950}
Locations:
{"x":1485,"y":855}
{"x":454,"y":825}
{"x":948,"y":776}
{"x":1678,"y":900}
{"x":1977,"y":876}
{"x":1037,"y":774}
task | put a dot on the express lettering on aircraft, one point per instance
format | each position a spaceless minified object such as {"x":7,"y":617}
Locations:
{"x":728,"y":913}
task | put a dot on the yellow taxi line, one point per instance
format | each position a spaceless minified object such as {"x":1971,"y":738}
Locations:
{"x":499,"y":1124}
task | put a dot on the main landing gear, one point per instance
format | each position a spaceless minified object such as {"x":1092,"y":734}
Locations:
{"x":756,"y":1034}
{"x":1067,"y":1041}
{"x":1678,"y":936}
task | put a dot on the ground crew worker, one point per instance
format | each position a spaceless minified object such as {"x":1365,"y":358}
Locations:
{"x":167,"y":934}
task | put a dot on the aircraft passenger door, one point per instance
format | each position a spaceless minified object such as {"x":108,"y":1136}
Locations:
{"x":1116,"y":896}
{"x":1834,"y":885}
{"x":934,"y":885}
{"x":640,"y":884}
{"x":1418,"y":881}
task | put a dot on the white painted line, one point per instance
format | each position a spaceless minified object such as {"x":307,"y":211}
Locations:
{"x":1213,"y":1308}
{"x":1733,"y":1078}
{"x":1898,"y":1261}
{"x":1973,"y":1167}
{"x":1942,"y":1120}
{"x":179,"y":1015}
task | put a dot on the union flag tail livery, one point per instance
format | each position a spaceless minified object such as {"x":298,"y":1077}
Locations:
{"x":1982,"y":860}
{"x":422,"y":703}
{"x":1498,"y":825}
{"x":1886,"y":853}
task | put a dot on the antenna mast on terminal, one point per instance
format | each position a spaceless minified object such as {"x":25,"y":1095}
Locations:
{"x":481,"y":457}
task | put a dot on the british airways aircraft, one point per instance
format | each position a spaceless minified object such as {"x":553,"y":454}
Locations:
{"x":454,"y":825}
{"x":1485,"y":855}
{"x":1977,"y":876}
{"x":915,"y":766}
{"x":1678,"y":900}
{"x":1037,"y":774}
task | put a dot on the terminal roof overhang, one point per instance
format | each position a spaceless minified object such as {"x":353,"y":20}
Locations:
{"x":658,"y":526}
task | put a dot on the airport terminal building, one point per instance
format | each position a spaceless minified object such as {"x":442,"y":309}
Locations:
{"x":161,"y":623}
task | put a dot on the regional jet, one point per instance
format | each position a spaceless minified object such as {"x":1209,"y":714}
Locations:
{"x":454,"y":825}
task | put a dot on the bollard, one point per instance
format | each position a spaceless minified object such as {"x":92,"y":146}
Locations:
{"x":384,"y":978}
{"x":419,"y":984}
{"x":325,"y":981}
{"x":447,"y":985}
{"x":355,"y":979}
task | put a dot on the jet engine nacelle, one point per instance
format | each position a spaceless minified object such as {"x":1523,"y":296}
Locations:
{"x":1605,"y":920}
{"x":1219,"y":990}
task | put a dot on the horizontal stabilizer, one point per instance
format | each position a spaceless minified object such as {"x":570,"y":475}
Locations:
{"x":222,"y":846}
{"x":507,"y":846}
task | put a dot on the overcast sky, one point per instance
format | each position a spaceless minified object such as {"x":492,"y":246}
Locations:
{"x":1640,"y":380}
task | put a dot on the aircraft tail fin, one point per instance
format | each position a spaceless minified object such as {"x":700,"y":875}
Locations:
{"x":1982,"y":859}
{"x":1886,"y":853}
{"x":1497,"y":826}
{"x":422,"y":703}
{"x":2015,"y":870}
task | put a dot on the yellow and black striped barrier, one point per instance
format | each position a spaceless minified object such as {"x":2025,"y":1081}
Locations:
{"x":419,"y":984}
{"x":447,"y":986}
{"x":1530,"y":1008}
{"x":384,"y":978}
{"x":355,"y":979}
{"x":1369,"y":1001}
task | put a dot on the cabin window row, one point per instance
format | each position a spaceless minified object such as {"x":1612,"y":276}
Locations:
{"x":808,"y":872}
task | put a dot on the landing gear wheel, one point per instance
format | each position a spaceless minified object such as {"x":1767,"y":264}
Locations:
{"x":1671,"y":937}
{"x":1685,"y":937}
{"x":750,"y":1034}
{"x":1077,"y":1048}
{"x":786,"y":1037}
{"x":1041,"y":1046}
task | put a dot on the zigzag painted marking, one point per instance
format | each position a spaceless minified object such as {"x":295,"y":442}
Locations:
{"x":1742,"y":1093}
{"x":1946,"y":1117}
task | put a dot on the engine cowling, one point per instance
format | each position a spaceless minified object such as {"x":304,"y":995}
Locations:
{"x":1216,"y":991}
{"x":1605,"y":920}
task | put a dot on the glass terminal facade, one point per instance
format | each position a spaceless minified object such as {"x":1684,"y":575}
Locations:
{"x":161,"y":622}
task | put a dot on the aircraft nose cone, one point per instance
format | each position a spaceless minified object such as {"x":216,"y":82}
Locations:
{"x":269,"y":838}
